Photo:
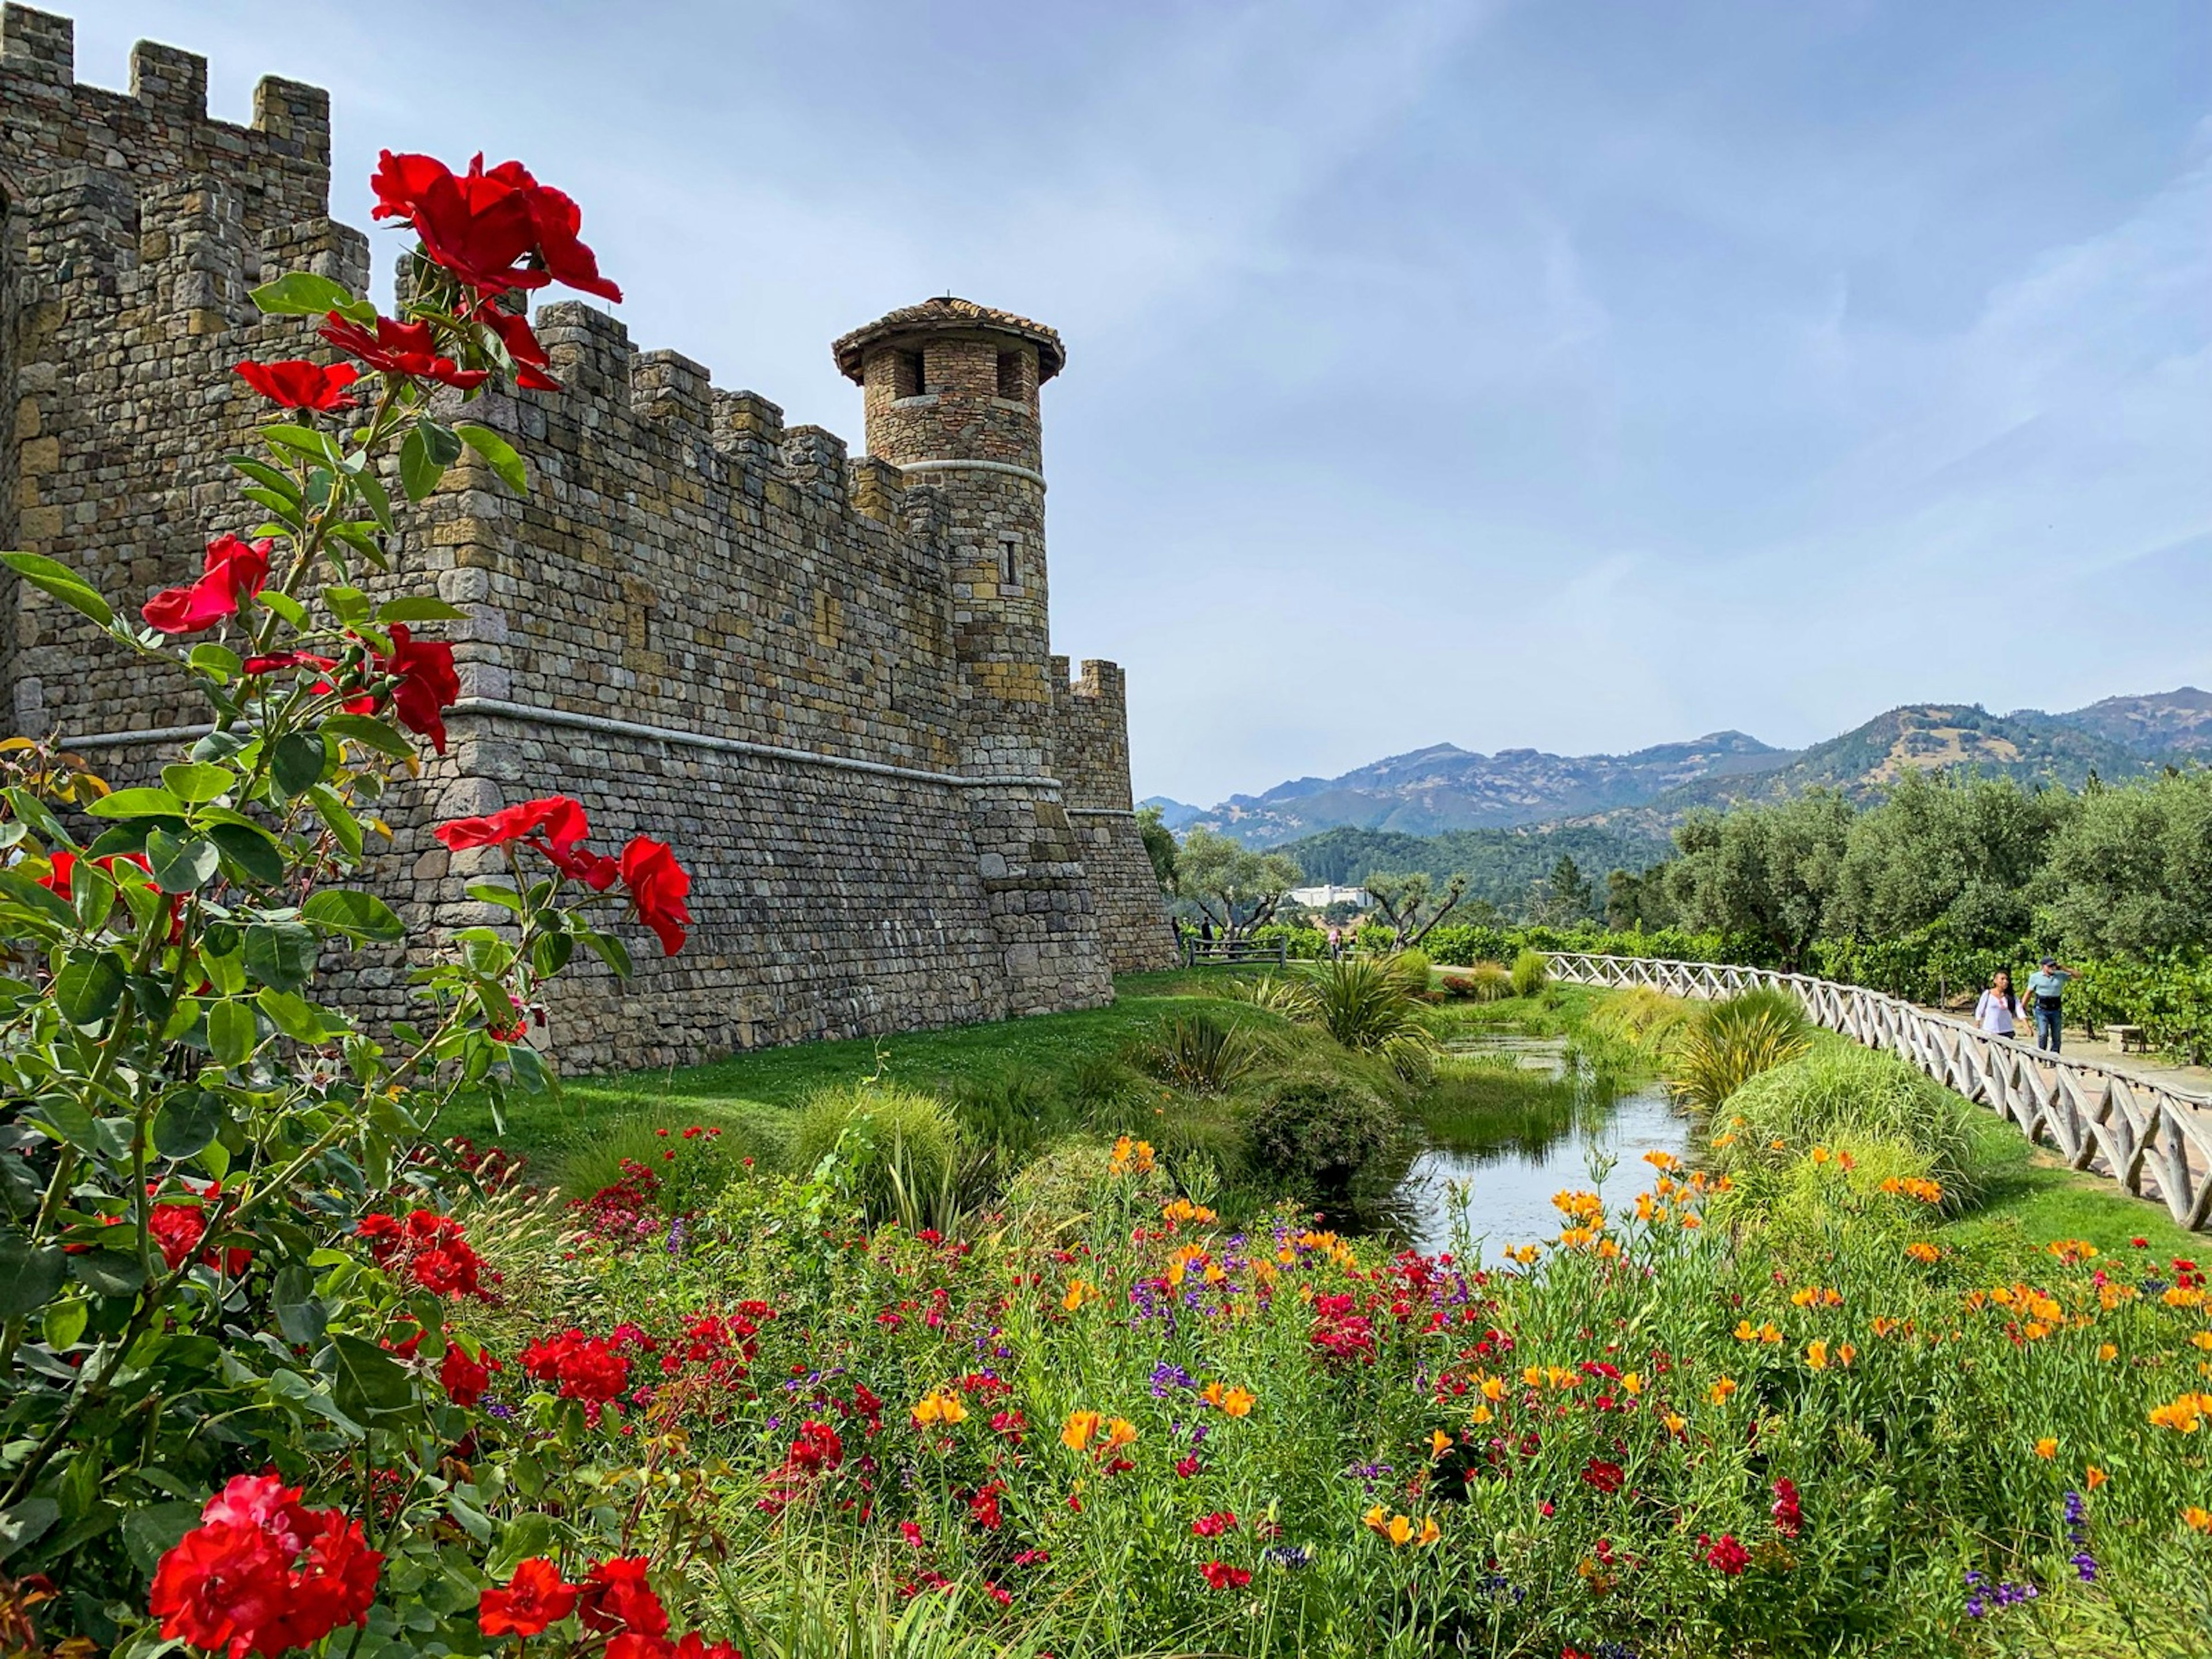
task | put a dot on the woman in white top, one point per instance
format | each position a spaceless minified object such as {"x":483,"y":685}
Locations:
{"x":1994,"y":1012}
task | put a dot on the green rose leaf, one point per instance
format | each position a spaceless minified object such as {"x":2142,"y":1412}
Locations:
{"x":251,"y":850}
{"x":498,"y":453}
{"x":296,"y":1017}
{"x":419,"y":608}
{"x":356,"y":914}
{"x":46,"y":902}
{"x":152,"y":1532}
{"x":89,"y":987}
{"x":51,"y":577}
{"x":342,"y":823}
{"x":108,"y":1273}
{"x":24,"y":1522}
{"x":442,"y":442}
{"x":281,"y":954}
{"x":300,"y":1314}
{"x":179,"y":865}
{"x":528,"y":1535}
{"x":283,"y":605}
{"x":137,"y":804}
{"x":298,"y":761}
{"x":608,"y":948}
{"x":371,"y":734}
{"x":30,"y":1274}
{"x":65,"y":1321}
{"x":531,"y":1075}
{"x":302,"y":293}
{"x":193,"y":782}
{"x":232,"y":1033}
{"x":370,"y":1382}
{"x":188,"y":1120}
{"x":418,"y":473}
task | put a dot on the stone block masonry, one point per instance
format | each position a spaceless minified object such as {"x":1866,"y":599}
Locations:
{"x":827,"y":680}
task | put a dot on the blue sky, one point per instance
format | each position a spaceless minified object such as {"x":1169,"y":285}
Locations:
{"x":1576,"y":376}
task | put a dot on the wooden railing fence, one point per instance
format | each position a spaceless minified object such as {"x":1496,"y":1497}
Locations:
{"x":1234,"y":952}
{"x":2155,"y":1140}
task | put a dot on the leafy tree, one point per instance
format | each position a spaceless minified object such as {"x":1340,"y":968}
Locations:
{"x":1949,"y":853}
{"x":1562,"y":898}
{"x":2131,"y":870}
{"x":1413,"y":903}
{"x":1234,"y":887}
{"x":1766,"y":871}
{"x":1159,"y":846}
{"x":1638,"y":899}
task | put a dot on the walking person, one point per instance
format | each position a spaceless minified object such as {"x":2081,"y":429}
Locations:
{"x":1994,"y":1012}
{"x":2046,"y":986}
{"x":1335,"y":943}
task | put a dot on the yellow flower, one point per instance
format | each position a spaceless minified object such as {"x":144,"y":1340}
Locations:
{"x":1673,"y":1422}
{"x":1077,"y":1293}
{"x":1238,"y":1402}
{"x":1120,"y":1432}
{"x":2106,"y":1350}
{"x":2202,"y":1339}
{"x":1746,"y":1331}
{"x":2095,"y":1477}
{"x":1721,"y":1390}
{"x":1661,"y":1160}
{"x":1844,"y":1354}
{"x":1816,"y":1355}
{"x":1378,"y":1519}
{"x":1429,"y":1531}
{"x":928,"y":1411}
{"x":1534,"y":1376}
{"x":1632,"y":1385}
{"x":1480,"y":1415}
{"x":1493,"y":1388}
{"x":1401,"y":1529}
{"x":1923,"y":1251}
{"x":1439,"y":1442}
{"x":2046,"y":1447}
{"x":1769,"y":1334}
{"x":1075,"y":1433}
{"x":939,"y":1406}
{"x":2198,"y":1518}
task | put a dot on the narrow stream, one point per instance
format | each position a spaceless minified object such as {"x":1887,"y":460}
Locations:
{"x":1514,"y":1119}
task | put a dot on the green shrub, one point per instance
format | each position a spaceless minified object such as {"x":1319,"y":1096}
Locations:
{"x":1725,"y":1044}
{"x":1199,"y":1054}
{"x":1412,"y":967}
{"x":704,"y":1164}
{"x":1362,"y":1003}
{"x":1843,"y":1094}
{"x":1278,"y":993}
{"x":1531,"y":974}
{"x":902,"y":1143}
{"x":1648,"y":1021}
{"x":1317,"y":1131}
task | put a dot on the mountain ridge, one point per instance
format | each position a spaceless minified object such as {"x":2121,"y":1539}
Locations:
{"x":1441,"y":787}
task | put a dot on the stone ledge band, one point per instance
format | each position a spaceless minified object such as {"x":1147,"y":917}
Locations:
{"x":1034,"y":477}
{"x":499,"y":707}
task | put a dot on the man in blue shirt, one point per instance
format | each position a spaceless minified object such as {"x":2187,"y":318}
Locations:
{"x":2044,"y":988}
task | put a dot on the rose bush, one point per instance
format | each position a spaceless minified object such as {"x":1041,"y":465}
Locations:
{"x":244,"y":1406}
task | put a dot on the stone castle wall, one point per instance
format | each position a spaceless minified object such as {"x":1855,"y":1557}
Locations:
{"x":797,"y":666}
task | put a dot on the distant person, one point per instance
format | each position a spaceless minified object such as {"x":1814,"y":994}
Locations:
{"x":2045,"y":988}
{"x":1205,"y":930}
{"x":1335,"y":944}
{"x":1994,"y":1012}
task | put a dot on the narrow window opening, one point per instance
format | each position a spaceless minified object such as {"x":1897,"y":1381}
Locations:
{"x":1009,"y":375}
{"x":906,"y":375}
{"x":1010,"y":547}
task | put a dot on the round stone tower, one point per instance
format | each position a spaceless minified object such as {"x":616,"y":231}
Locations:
{"x":951,"y":400}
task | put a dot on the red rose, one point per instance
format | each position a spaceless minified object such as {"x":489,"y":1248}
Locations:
{"x":560,"y":819}
{"x":658,"y":886}
{"x":407,"y":348}
{"x":384,"y":1236}
{"x":595,"y":870}
{"x":632,"y":1645}
{"x":1730,"y":1556}
{"x":1222,"y":1576}
{"x":427,"y":685}
{"x":176,"y":1230}
{"x":695,"y":1646}
{"x":515,"y":334}
{"x":241,"y":1584}
{"x":233,"y":571}
{"x":535,"y":1595}
{"x":616,"y":1594}
{"x":296,"y":383}
{"x":481,"y":226}
{"x":283,"y":659}
{"x":1604,"y":1476}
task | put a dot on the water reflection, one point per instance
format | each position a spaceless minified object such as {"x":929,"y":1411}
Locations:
{"x":1511,"y":1122}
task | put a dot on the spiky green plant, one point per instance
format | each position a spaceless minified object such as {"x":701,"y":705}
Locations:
{"x":1201,"y":1055}
{"x":1531,"y":974}
{"x":1726,"y":1044}
{"x":1363,"y":1003}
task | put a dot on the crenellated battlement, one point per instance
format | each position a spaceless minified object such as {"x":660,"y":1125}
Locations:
{"x":825,"y":676}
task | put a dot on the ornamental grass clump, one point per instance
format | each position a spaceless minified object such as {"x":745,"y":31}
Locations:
{"x":1725,"y":1044}
{"x":1365,"y":1004}
{"x":893,"y":1149}
{"x":1531,"y":973}
{"x":1201,"y":1055}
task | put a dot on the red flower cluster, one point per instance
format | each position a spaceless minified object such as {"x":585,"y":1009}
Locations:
{"x":427,"y":1247}
{"x":1788,"y":1513}
{"x":1340,"y":1334}
{"x":555,"y":827}
{"x":495,"y":230}
{"x":426,"y":684}
{"x":535,"y":1595}
{"x":818,"y":1451}
{"x":1223,"y":1577}
{"x":1730,"y":1556}
{"x":296,"y":383}
{"x":408,"y":349}
{"x":232,"y":572}
{"x":1212,"y":1526}
{"x":1604,"y":1476}
{"x":984,"y":1508}
{"x":591,"y":1369}
{"x":263,"y":1573}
